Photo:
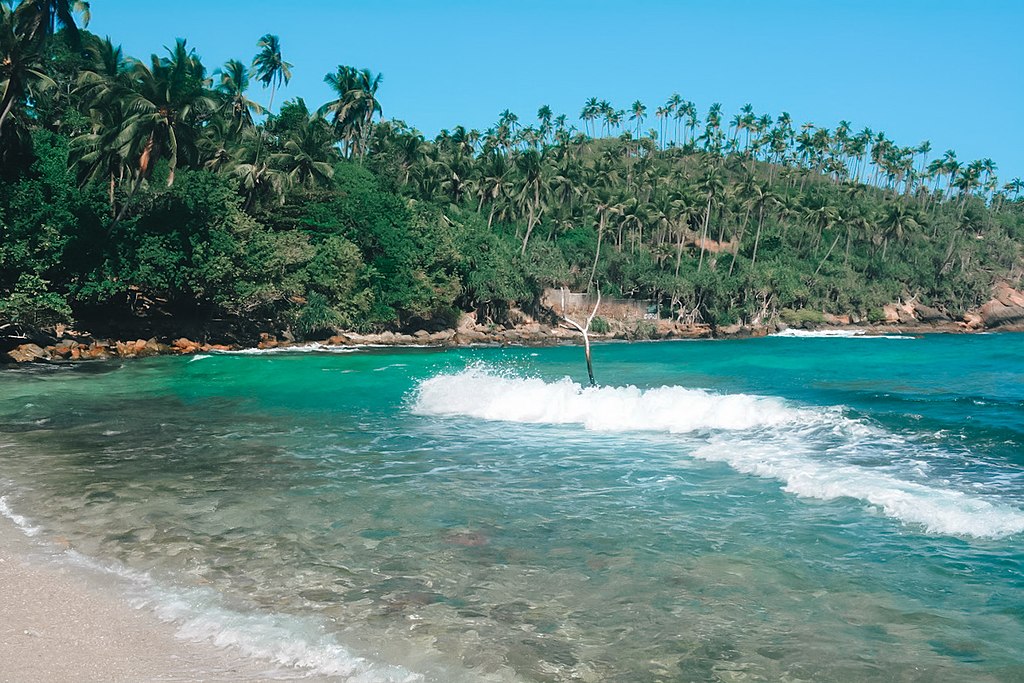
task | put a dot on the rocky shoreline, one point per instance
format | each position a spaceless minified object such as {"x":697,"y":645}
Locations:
{"x":1004,"y":312}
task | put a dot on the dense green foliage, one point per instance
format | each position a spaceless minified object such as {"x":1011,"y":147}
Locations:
{"x":147,"y":189}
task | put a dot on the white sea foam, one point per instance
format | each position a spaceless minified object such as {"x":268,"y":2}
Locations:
{"x":938,"y":510}
{"x":284,"y":640}
{"x":21,"y":522}
{"x":845,"y":334}
{"x":298,"y":348}
{"x":808,"y":449}
{"x":478,"y":393}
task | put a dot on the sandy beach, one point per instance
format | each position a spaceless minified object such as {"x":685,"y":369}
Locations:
{"x":58,"y":623}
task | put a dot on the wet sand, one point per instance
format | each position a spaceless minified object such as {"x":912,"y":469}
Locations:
{"x":58,"y":623}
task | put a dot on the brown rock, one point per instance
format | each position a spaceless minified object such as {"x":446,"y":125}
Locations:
{"x":97,"y":351}
{"x":1008,"y":296}
{"x":125,"y":349}
{"x":442,"y":336}
{"x":891,"y":313}
{"x":927,"y":314}
{"x":997,"y":314}
{"x":28,"y":353}
{"x":156,"y":348}
{"x":973,"y":320}
{"x":184,"y":345}
{"x":837,"y":319}
{"x":470,"y":336}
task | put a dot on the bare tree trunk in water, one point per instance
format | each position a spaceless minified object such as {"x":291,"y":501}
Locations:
{"x":585,"y":331}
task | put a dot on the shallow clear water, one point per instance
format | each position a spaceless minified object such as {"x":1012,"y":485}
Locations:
{"x":799,"y":509}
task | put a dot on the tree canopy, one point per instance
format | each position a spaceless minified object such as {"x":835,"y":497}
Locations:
{"x":135,"y":189}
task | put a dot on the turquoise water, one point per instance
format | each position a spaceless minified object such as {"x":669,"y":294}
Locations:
{"x":800,"y":509}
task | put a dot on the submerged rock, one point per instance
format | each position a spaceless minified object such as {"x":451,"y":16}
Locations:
{"x":467,"y":539}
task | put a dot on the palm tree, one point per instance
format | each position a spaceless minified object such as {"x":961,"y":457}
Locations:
{"x":352,"y":112}
{"x":638,"y":112}
{"x":22,"y":64}
{"x":1015,"y":186}
{"x":661,"y":113}
{"x":307,"y":156}
{"x":589,"y":114}
{"x":271,"y":70}
{"x":39,"y":19}
{"x":96,"y":155}
{"x":234,"y":81}
{"x":269,"y":66}
{"x":712,"y":186}
{"x":544,"y":116}
{"x":530,"y":165}
{"x":164,"y":109}
{"x":677,"y":111}
{"x":898,"y":221}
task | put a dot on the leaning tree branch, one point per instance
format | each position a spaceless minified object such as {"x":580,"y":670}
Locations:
{"x":584,"y":330}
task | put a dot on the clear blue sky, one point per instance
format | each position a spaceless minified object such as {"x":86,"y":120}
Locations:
{"x":951,"y":72}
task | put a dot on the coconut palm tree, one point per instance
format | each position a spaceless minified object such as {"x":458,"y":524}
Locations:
{"x":165,"y":107}
{"x":897,"y":222}
{"x":638,"y":112}
{"x":308,"y":155}
{"x":271,"y":70}
{"x":711,"y":185}
{"x":589,"y":114}
{"x":532,"y":188}
{"x":238,"y":109}
{"x":269,"y":66}
{"x":352,"y":112}
{"x":22,"y":63}
{"x":677,"y":111}
{"x":39,"y":19}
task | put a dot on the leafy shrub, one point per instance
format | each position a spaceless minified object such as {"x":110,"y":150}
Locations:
{"x":31,"y":304}
{"x":876,"y":315}
{"x":801,"y":318}
{"x":643,"y":329}
{"x":317,"y":316}
{"x":599,"y":325}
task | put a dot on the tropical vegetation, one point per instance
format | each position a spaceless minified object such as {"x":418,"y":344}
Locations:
{"x":158,"y":193}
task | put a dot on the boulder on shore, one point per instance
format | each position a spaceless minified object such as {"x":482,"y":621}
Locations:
{"x":28,"y":353}
{"x":1005,"y":309}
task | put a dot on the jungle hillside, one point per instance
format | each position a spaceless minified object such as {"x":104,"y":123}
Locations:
{"x":158,"y":194}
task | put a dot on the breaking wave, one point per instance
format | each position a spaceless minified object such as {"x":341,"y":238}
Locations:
{"x":813,"y":451}
{"x":844,"y":334}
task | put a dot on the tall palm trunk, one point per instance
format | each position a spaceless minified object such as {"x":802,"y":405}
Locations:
{"x":259,"y":140}
{"x":704,"y":234}
{"x":757,"y":236}
{"x":597,"y":252}
{"x":827,"y":254}
{"x":6,"y":105}
{"x":531,"y":218}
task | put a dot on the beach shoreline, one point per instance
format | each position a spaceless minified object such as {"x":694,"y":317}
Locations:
{"x":85,"y":348}
{"x":60,"y":622}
